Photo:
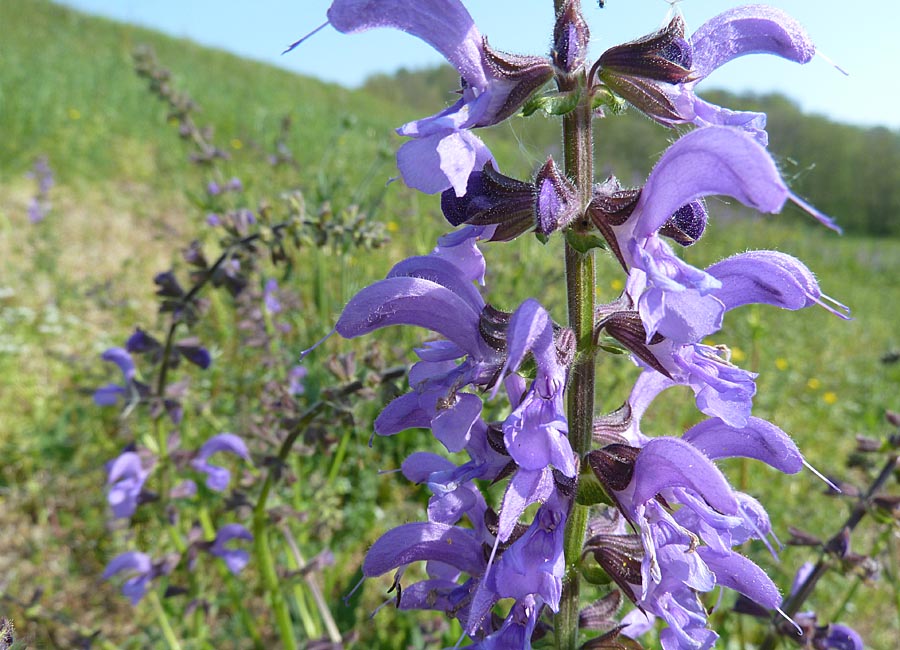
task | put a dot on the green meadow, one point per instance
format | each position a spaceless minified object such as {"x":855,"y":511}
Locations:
{"x":126,"y":201}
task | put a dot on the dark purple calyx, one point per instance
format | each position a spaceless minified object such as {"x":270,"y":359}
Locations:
{"x":664,"y":55}
{"x":636,"y":70}
{"x":493,"y":325}
{"x":620,"y":557}
{"x":492,"y":199}
{"x":611,"y":205}
{"x":518,"y":76}
{"x":613,"y":465}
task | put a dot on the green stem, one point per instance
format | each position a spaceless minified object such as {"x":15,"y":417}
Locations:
{"x":270,"y":582}
{"x":580,"y":282}
{"x":260,"y":518}
{"x":171,"y":639}
{"x":298,"y":563}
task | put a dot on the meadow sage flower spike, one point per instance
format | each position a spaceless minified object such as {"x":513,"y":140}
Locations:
{"x":672,"y":521}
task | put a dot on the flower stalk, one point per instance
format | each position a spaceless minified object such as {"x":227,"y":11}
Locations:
{"x":578,"y":151}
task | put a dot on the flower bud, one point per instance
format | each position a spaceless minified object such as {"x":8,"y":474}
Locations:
{"x":570,"y":38}
{"x":557,"y":200}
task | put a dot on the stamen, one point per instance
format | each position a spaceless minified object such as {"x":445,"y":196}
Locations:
{"x":839,"y":309}
{"x":296,"y":43}
{"x":821,"y":217}
{"x":821,"y":476}
{"x":317,"y":344}
{"x":790,"y":620}
{"x":831,"y":62}
{"x":347,"y":598}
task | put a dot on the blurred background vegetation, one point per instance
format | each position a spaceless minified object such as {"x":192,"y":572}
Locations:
{"x":126,"y":200}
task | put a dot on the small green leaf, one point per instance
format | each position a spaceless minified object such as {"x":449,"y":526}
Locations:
{"x":590,"y":491}
{"x":604,"y":98}
{"x":595,"y":575}
{"x":553,"y":104}
{"x":584,"y":243}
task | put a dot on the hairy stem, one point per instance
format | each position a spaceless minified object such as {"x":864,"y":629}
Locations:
{"x":579,"y":153}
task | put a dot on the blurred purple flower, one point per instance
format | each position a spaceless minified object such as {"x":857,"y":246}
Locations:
{"x":139,"y":567}
{"x":235,"y":559}
{"x":296,"y":375}
{"x":270,"y":296}
{"x":217,"y":478}
{"x":108,"y":395}
{"x":124,"y":482}
{"x":184,"y":490}
{"x":39,"y":205}
{"x":823,"y":637}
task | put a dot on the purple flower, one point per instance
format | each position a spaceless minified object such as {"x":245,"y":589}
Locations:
{"x":217,"y":478}
{"x":674,"y":568}
{"x":516,"y":629}
{"x":125,"y":480}
{"x":139,"y":567}
{"x":213,"y":188}
{"x":443,"y":152}
{"x":270,"y":296}
{"x":195,"y":353}
{"x":108,"y":395}
{"x":39,"y":205}
{"x":235,"y":559}
{"x":659,"y":72}
{"x":688,"y":535}
{"x":721,"y":389}
{"x":673,"y":298}
{"x":296,"y":375}
{"x":751,"y":29}
{"x":434,"y":292}
{"x":534,"y":564}
{"x":841,"y":637}
{"x":483,"y":347}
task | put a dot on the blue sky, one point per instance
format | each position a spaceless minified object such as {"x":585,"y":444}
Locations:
{"x":860,"y":36}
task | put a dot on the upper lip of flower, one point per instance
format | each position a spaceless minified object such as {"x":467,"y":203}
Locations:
{"x":494,"y":85}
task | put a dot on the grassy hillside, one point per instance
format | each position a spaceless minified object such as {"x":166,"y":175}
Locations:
{"x":126,"y":200}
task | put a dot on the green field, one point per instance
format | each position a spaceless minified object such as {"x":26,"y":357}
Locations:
{"x":126,"y":201}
